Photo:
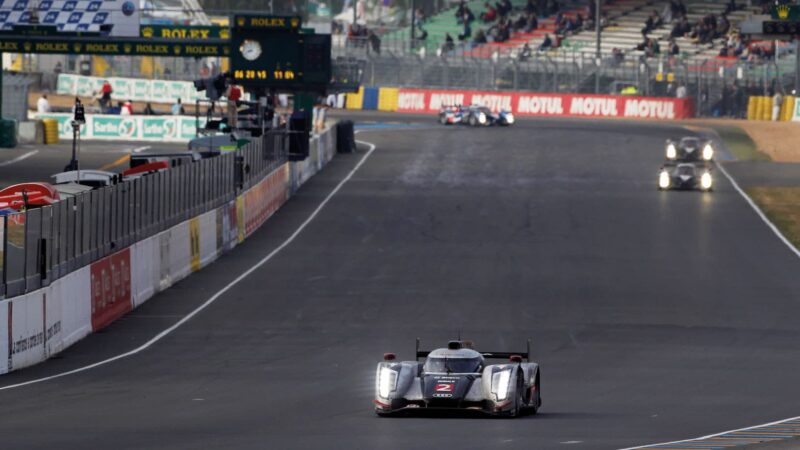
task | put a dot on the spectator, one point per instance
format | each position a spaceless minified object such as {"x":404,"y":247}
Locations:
{"x":42,"y":105}
{"x":375,"y":42}
{"x":480,"y":38}
{"x":467,"y":33}
{"x":105,"y":95}
{"x":148,"y":109}
{"x":674,"y":49}
{"x":740,"y":102}
{"x":532,"y":23}
{"x":126,"y":109}
{"x":680,"y":92}
{"x":547,"y":43}
{"x":449,"y":44}
{"x":530,"y":7}
{"x":525,"y":53}
{"x":234,"y":94}
{"x":618,"y":56}
{"x":177,"y":108}
{"x":777,"y":101}
{"x":58,"y":69}
{"x":490,"y":14}
{"x":504,"y":7}
{"x":653,"y":21}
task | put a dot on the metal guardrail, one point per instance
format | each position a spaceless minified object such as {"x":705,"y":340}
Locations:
{"x":45,"y":244}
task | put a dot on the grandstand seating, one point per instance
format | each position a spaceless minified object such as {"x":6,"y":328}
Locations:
{"x":625,"y":18}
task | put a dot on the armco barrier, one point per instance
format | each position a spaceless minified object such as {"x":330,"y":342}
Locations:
{"x":554,"y":105}
{"x":41,"y":323}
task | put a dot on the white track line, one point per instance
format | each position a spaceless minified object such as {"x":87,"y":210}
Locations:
{"x":19,"y":158}
{"x":217,"y":295}
{"x":140,"y":149}
{"x":710,"y":436}
{"x":794,"y":250}
{"x":758,"y":211}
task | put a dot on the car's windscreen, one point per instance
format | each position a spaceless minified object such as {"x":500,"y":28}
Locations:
{"x":686,"y":170}
{"x":453,"y":365}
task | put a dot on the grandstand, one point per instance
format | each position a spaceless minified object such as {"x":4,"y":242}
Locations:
{"x":625,"y":20}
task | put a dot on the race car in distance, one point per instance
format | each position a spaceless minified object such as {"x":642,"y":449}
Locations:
{"x":474,"y":115}
{"x":690,"y":149}
{"x":685,"y":176}
{"x":458,"y":378}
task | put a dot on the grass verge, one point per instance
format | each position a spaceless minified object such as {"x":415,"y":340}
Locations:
{"x":782,"y":207}
{"x":739,"y":143}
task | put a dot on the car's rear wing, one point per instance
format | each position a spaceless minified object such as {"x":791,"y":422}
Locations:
{"x":491,"y":355}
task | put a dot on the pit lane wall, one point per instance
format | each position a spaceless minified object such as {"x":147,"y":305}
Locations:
{"x":113,"y":127}
{"x":523,"y":103}
{"x":42,"y":323}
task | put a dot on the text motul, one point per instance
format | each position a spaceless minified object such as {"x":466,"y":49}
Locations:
{"x":540,"y":105}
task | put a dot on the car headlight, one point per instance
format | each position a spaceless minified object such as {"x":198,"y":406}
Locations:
{"x":509,"y":118}
{"x":705,"y":181}
{"x":482,"y":118}
{"x":663,"y":180}
{"x":708,"y":152}
{"x":672,"y":152}
{"x":500,"y":384}
{"x":387,"y":381}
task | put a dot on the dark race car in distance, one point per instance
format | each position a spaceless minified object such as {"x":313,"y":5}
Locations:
{"x":689,"y":148}
{"x":458,"y":378}
{"x":475,"y":115}
{"x":685,"y":176}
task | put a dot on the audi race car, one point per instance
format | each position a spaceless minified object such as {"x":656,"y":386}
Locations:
{"x":475,"y":116}
{"x":685,"y":176}
{"x":458,"y":378}
{"x":690,"y":149}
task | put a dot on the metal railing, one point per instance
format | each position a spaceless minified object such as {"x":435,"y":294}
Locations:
{"x":44,"y":244}
{"x":568,"y":70}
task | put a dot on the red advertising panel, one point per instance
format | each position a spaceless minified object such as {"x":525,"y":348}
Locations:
{"x":556,"y":105}
{"x":111,"y":288}
{"x":263,"y":199}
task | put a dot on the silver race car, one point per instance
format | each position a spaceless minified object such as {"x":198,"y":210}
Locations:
{"x":689,"y":149}
{"x":458,"y":378}
{"x":685,"y":176}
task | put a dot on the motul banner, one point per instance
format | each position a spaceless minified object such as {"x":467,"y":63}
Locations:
{"x":111,"y":288}
{"x":535,"y":104}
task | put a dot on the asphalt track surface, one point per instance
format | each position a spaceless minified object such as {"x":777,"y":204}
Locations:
{"x":656,"y":316}
{"x":38,"y":162}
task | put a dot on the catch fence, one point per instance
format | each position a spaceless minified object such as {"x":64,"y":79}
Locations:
{"x":44,"y":244}
{"x":398,"y":64}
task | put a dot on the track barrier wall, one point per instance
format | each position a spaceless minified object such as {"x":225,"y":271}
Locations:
{"x":532,"y":104}
{"x":133,"y":240}
{"x":111,"y":127}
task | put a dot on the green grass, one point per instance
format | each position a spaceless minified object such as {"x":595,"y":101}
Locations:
{"x":740,"y":143}
{"x":782,"y":207}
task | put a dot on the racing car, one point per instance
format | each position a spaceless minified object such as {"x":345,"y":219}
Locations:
{"x":458,"y":378}
{"x":475,"y":115}
{"x":685,"y":176}
{"x":689,"y":149}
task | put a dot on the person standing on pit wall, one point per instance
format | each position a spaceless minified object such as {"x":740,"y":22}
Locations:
{"x":42,"y":105}
{"x":177,"y":108}
{"x":777,"y":101}
{"x":234,"y":94}
{"x":105,"y":95}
